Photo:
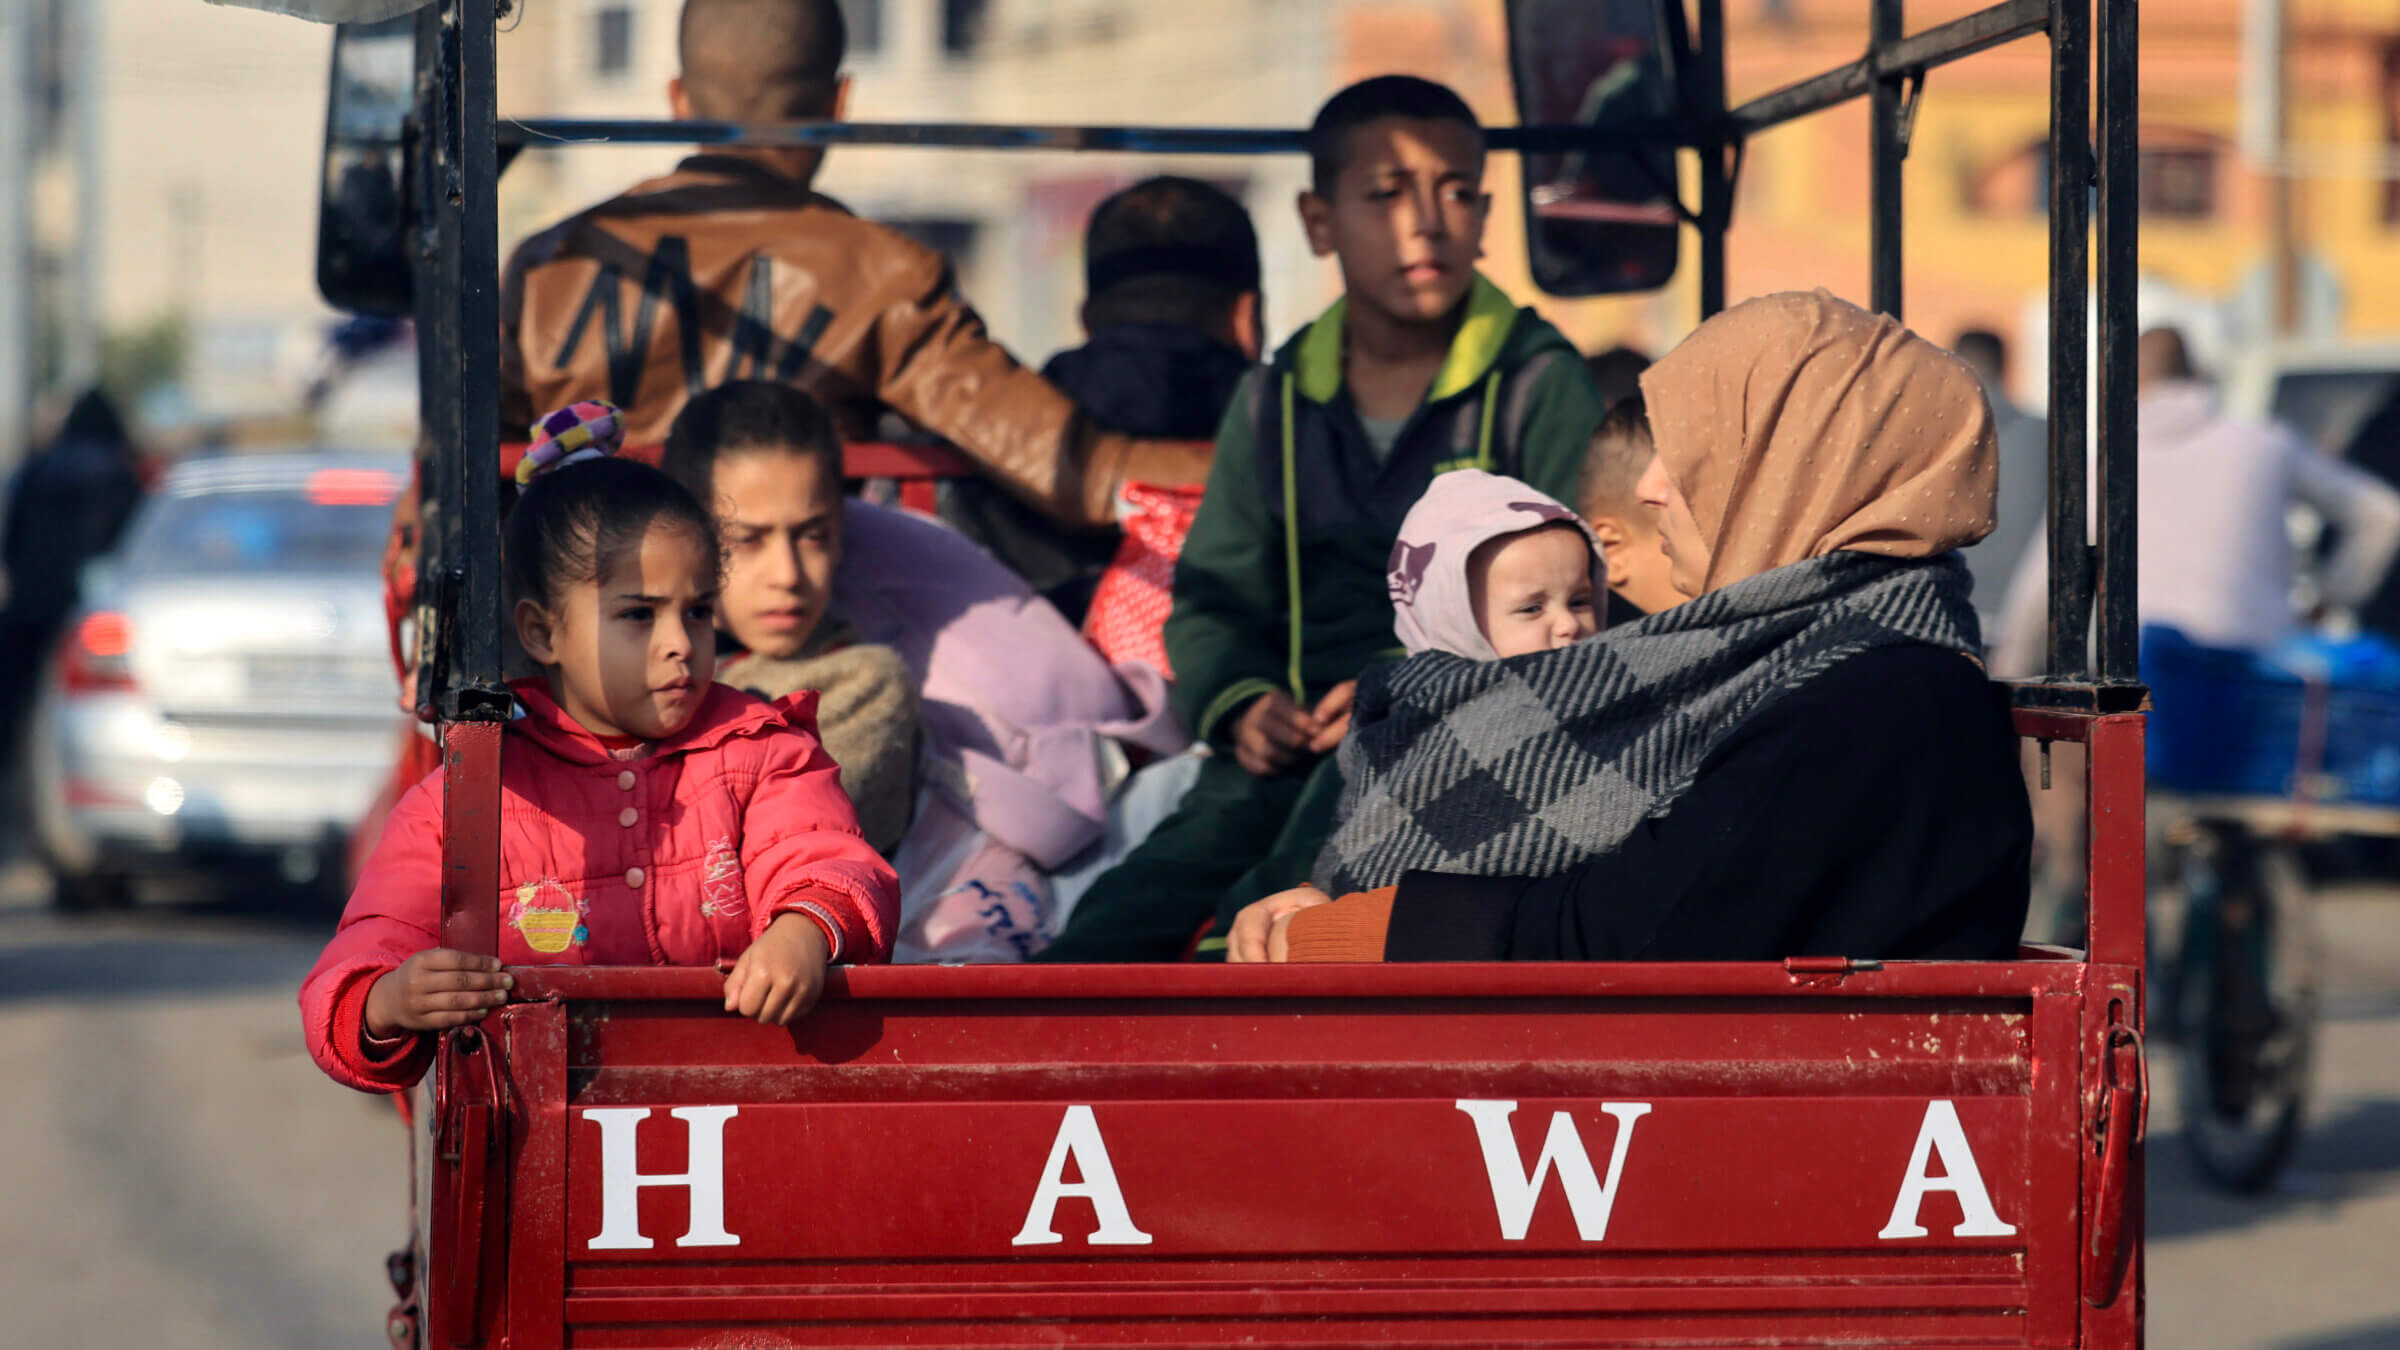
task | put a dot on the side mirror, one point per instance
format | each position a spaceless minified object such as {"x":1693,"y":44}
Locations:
{"x":362,"y":220}
{"x":1602,"y":221}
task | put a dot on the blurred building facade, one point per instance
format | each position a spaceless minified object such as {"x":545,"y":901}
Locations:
{"x":209,"y":125}
{"x":1976,"y":183}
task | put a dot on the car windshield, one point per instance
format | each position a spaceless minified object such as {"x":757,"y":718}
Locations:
{"x":253,"y":532}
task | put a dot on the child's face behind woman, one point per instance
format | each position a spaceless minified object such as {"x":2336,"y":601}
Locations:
{"x":632,"y":653}
{"x":1533,"y":591}
{"x":780,"y":513}
{"x":1638,"y":569}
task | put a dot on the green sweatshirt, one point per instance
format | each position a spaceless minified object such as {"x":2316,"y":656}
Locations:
{"x":1281,"y":583}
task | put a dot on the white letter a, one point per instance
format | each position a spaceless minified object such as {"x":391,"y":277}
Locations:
{"x":1079,"y":1135}
{"x":1941,"y":1133}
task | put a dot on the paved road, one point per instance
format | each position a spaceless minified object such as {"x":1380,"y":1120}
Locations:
{"x":2316,"y":1265}
{"x":177,"y":1174}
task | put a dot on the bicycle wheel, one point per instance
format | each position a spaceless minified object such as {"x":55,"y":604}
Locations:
{"x":2247,"y":993}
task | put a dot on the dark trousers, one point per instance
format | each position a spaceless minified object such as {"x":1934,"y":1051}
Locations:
{"x":1235,"y":838}
{"x":26,"y":642}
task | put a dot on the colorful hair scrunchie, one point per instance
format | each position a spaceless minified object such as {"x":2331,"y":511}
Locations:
{"x":591,"y":429}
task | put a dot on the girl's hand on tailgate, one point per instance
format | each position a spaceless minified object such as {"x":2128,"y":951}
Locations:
{"x":779,"y":979}
{"x":434,"y":991}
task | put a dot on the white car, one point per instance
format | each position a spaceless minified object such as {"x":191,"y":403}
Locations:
{"x":2344,"y":396}
{"x":2328,"y":390}
{"x":226,"y":693}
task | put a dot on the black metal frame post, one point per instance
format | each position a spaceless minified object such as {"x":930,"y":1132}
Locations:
{"x":435,"y":250}
{"x":1716,"y":160}
{"x":458,"y":306}
{"x":2119,"y":117}
{"x":479,"y":695}
{"x":2070,"y":294}
{"x":457,"y":105}
{"x":1884,"y":152}
{"x":560,"y":132}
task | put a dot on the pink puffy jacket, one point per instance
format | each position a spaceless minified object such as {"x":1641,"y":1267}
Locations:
{"x":678,"y":858}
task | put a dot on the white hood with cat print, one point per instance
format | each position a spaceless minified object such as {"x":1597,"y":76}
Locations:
{"x":1433,"y":608}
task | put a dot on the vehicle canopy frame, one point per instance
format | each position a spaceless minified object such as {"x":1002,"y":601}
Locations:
{"x":2091,"y":693}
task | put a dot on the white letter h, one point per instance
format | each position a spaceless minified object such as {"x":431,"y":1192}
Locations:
{"x":620,"y":1185}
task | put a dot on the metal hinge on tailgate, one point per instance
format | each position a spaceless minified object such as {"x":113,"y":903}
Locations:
{"x":1825,"y":969}
{"x":467,"y":1146}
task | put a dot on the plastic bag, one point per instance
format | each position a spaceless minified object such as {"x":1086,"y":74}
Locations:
{"x":1128,"y":617}
{"x":964,"y":896}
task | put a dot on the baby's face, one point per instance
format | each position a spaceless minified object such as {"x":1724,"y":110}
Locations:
{"x":1533,"y":591}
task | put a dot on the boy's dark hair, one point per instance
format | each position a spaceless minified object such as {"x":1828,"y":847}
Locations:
{"x":1984,"y":350}
{"x":572,"y":524}
{"x":2162,"y":354}
{"x":1372,"y":100}
{"x":1620,"y":451}
{"x":761,"y":60}
{"x":1167,"y":250}
{"x":745,"y":415}
{"x":1618,"y":372}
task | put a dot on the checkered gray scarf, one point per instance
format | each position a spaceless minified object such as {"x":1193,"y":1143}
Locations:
{"x":1527,"y":766}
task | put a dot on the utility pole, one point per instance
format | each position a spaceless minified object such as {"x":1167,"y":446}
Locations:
{"x":188,"y":213}
{"x":2266,"y":134}
{"x":17,"y":274}
{"x":79,"y":314}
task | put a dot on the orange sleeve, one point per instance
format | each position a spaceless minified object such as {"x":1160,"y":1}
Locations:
{"x":1350,"y":929}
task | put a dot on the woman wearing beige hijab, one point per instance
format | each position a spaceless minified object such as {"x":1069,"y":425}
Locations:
{"x":1804,"y":759}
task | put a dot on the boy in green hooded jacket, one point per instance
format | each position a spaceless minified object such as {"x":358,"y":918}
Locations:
{"x":1422,"y":366}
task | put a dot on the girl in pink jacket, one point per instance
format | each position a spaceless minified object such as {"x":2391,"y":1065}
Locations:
{"x":649,"y":816}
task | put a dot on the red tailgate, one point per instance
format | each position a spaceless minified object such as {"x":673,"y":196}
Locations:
{"x":1204,"y":1156}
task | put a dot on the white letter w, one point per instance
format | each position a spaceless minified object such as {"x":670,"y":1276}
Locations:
{"x":1515,"y":1191}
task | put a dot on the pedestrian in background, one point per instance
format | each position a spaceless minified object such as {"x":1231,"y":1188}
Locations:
{"x":2215,"y":561}
{"x":67,"y":506}
{"x":2024,"y":478}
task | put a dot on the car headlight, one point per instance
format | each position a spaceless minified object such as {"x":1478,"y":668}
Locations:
{"x":164,"y":795}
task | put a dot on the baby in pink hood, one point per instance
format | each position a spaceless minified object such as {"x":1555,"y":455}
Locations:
{"x":1488,"y":568}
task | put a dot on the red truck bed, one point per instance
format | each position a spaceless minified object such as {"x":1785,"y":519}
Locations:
{"x":1816,"y":1152}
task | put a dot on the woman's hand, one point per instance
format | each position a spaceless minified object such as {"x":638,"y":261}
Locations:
{"x":779,"y":978}
{"x":1332,"y":717}
{"x":1249,"y":940}
{"x":1279,"y":939}
{"x":434,"y":991}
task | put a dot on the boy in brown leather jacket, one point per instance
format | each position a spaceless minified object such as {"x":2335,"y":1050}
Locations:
{"x":734,"y":267}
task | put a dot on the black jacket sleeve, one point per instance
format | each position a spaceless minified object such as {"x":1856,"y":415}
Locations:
{"x":1875,"y":812}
